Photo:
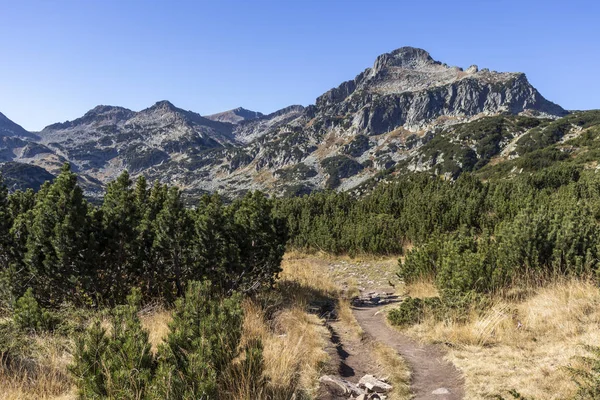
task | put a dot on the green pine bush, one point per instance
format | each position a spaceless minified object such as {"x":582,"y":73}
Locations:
{"x":119,"y":364}
{"x":204,"y":339}
{"x":29,"y":316}
{"x":587,"y":375}
{"x":411,"y":311}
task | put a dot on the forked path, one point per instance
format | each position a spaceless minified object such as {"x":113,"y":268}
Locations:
{"x":432,"y":377}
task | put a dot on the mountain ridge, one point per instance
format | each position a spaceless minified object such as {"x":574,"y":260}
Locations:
{"x":382,"y":119}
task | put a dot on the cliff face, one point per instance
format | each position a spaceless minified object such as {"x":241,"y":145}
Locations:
{"x":389,"y":116}
{"x":408,"y":88}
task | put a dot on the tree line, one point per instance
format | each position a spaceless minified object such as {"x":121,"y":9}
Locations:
{"x":66,"y":249}
{"x":467,"y":234}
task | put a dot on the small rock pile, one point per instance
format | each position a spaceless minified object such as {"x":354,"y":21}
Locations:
{"x":371,"y":299}
{"x":368,"y":388}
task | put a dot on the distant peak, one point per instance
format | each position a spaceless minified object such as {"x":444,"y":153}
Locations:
{"x":404,"y":57}
{"x":104,"y":109}
{"x":164,"y":104}
{"x":411,"y":53}
{"x":236,"y":115}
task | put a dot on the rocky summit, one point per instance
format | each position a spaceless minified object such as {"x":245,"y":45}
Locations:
{"x":408,"y":112}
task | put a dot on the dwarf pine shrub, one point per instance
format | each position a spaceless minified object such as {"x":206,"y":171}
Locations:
{"x":192,"y":363}
{"x":410,"y":312}
{"x":204,"y":338}
{"x":587,"y":375}
{"x":29,"y":316}
{"x":118,"y":364}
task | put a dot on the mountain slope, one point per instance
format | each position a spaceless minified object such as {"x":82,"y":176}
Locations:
{"x":235,"y":116}
{"x":109,"y":139}
{"x":406,"y":113}
{"x":9,"y":128}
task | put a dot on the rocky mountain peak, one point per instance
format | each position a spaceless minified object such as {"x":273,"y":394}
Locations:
{"x":162,"y":110}
{"x":9,"y":128}
{"x":112,"y":114}
{"x":3,"y":118}
{"x":97,"y":116}
{"x":388,"y":114}
{"x":235,"y":116}
{"x":163,"y":105}
{"x":404,"y":57}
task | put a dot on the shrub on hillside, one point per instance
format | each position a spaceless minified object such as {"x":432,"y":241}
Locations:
{"x":116,"y":364}
{"x":587,"y":375}
{"x":192,"y":363}
{"x":29,"y":316}
{"x":204,"y":338}
{"x":421,"y":262}
{"x":413,"y":310}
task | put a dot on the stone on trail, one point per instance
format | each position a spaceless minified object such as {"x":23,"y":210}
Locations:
{"x":441,"y":391}
{"x":339,"y":386}
{"x":371,"y":396}
{"x":373,"y":384}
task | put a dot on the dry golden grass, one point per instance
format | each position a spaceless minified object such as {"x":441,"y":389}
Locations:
{"x":522,"y":344}
{"x":312,"y":271}
{"x":422,"y":289}
{"x":292,"y":349}
{"x":157,"y":325}
{"x":302,"y":277}
{"x":44,"y":376}
{"x":395,"y":368}
{"x":294,"y":340}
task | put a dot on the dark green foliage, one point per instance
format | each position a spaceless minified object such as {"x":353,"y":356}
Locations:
{"x":29,"y":316}
{"x":340,"y":167}
{"x":539,"y":138}
{"x":204,"y":338}
{"x":120,"y":256}
{"x":542,"y":137}
{"x":57,"y":260}
{"x":468,"y":235}
{"x":115,"y":365}
{"x":261,"y":240}
{"x":195,"y":358}
{"x":410,"y":312}
{"x":452,"y":305}
{"x":587,"y":375}
{"x":68,"y":250}
{"x":421,"y":262}
{"x":173,"y":231}
{"x":451,"y":158}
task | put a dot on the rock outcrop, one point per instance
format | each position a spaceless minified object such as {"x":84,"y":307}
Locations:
{"x":406,"y":111}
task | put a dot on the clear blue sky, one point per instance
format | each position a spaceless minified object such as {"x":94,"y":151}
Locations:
{"x":59,"y":58}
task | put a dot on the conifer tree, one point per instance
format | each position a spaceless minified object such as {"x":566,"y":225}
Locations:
{"x":204,"y":338}
{"x":173,"y":233}
{"x":57,"y":267}
{"x":121,"y":254}
{"x":152,"y":277}
{"x":118,"y":364}
{"x":215,"y":248}
{"x":262,"y":241}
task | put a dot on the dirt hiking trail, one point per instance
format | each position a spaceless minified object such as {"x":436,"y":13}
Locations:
{"x":432,"y":377}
